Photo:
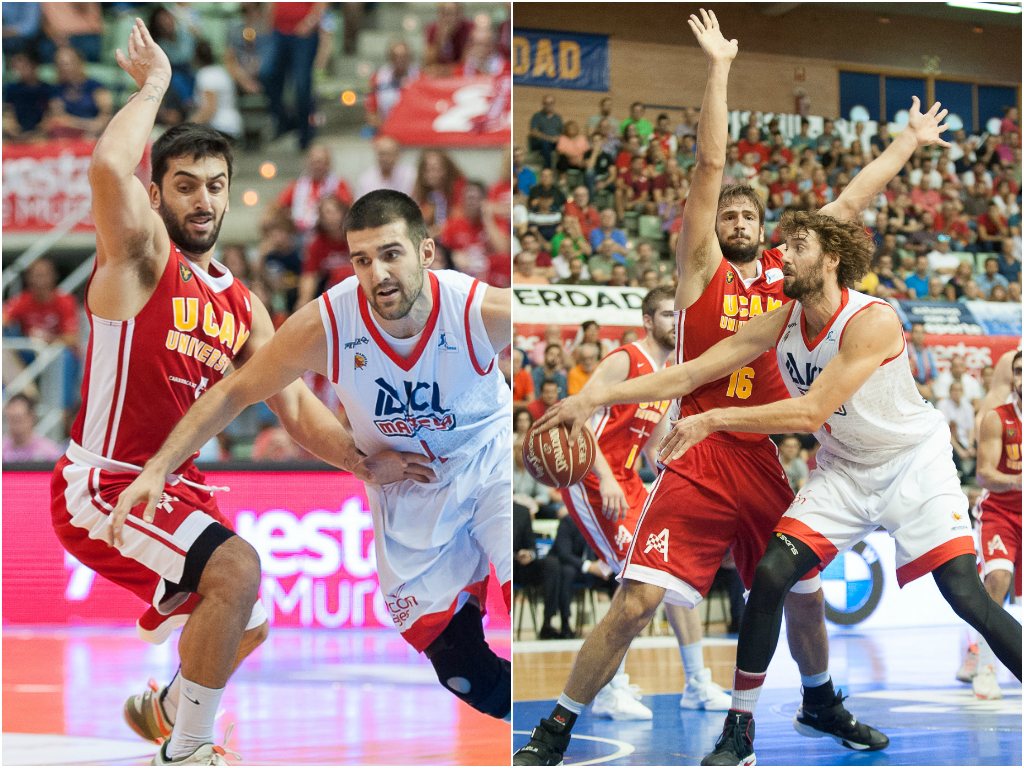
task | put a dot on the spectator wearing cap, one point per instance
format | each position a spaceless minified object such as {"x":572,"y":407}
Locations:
{"x":22,"y":442}
{"x":545,"y":130}
{"x":388,"y":82}
{"x":991,"y":277}
{"x":27,"y":99}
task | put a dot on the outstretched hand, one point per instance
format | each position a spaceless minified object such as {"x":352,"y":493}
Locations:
{"x":145,"y":58}
{"x":925,"y":127}
{"x":710,"y":37}
{"x":574,"y":412}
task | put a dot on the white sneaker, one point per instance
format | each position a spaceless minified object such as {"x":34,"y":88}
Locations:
{"x":969,"y":668}
{"x":985,"y":684}
{"x":620,"y":702}
{"x":702,"y":693}
{"x":208,"y":754}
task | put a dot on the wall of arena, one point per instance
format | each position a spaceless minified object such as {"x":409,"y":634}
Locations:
{"x":654,"y":59}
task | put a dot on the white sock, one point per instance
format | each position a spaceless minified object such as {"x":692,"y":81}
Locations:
{"x":813,"y":681}
{"x":197,"y":709}
{"x":986,"y":656}
{"x":169,"y":697}
{"x":746,"y":688}
{"x":573,"y":706}
{"x":693,"y":659}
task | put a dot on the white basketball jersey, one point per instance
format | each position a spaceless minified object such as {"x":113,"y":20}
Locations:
{"x":446,"y":399}
{"x":884,"y":417}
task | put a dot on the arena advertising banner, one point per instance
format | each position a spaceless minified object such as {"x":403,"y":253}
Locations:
{"x":43,"y":183}
{"x":943,"y":317}
{"x":977,"y":351}
{"x":575,"y":304}
{"x":560,"y":60}
{"x":312,"y":530}
{"x":453,"y":112}
{"x":997,"y":319}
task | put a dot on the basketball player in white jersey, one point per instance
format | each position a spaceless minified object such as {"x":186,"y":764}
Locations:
{"x":885,"y":456}
{"x":411,"y":354}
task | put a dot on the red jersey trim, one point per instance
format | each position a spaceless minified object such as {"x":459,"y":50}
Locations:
{"x":785,"y":325}
{"x":824,"y":331}
{"x":405,"y":363}
{"x":469,"y":333}
{"x":335,"y":339}
{"x":117,"y":388}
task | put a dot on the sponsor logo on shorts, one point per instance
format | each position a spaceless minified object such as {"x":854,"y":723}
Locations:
{"x":165,"y":502}
{"x":957,"y":517}
{"x":996,"y":542}
{"x":356,"y":342}
{"x":623,"y":537}
{"x":400,"y":605}
{"x":659,"y":543}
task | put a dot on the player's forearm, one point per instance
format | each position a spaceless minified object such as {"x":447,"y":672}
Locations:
{"x":784,"y":416}
{"x":668,"y":384}
{"x":873,"y":179}
{"x":121,"y":146}
{"x":713,"y":128}
{"x":314,"y":427}
{"x":991,"y":479}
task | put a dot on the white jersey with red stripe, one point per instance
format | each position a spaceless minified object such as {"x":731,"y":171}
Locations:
{"x":445,"y":399}
{"x":141,"y":375}
{"x":883,"y":418}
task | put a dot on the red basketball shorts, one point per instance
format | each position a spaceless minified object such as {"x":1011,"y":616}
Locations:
{"x":152,"y":558}
{"x":609,"y":539}
{"x":999,"y":530}
{"x":720,"y":494}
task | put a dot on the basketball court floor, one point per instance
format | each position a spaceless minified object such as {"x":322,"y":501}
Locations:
{"x":307,"y":697}
{"x":900,"y":681}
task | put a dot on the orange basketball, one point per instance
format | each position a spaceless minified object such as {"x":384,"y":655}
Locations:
{"x":553,"y":460}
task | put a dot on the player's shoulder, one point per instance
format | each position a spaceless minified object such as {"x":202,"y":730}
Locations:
{"x":456,"y":282}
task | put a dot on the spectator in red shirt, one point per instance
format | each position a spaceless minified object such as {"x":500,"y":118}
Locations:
{"x":631,"y":147}
{"x":301,"y":198}
{"x":522,"y":381}
{"x":579,"y":207}
{"x":473,"y":236}
{"x":992,"y":228}
{"x":326,"y":260}
{"x":295,"y":38}
{"x":752,"y":143}
{"x":548,"y":397}
{"x":779,"y":143}
{"x":447,"y":39}
{"x":633,"y":188}
{"x":673,"y":177}
{"x":784,"y":191}
{"x":438,"y":188}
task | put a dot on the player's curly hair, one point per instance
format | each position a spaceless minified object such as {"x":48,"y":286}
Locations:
{"x":845,"y":239}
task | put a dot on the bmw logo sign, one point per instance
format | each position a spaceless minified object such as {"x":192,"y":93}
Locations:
{"x":852,"y":584}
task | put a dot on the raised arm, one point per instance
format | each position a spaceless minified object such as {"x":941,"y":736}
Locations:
{"x":870,"y":338}
{"x":697,"y":251}
{"x":922,"y":130}
{"x":755,"y":338}
{"x":990,"y":448}
{"x":127,"y":227}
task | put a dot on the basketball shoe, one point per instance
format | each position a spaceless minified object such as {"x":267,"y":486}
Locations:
{"x":547,"y":744}
{"x":145,"y":715}
{"x":620,"y":701}
{"x":702,"y":693}
{"x":985,"y":684}
{"x":736,"y":744}
{"x":208,"y":754}
{"x":969,"y":668}
{"x":834,"y":721}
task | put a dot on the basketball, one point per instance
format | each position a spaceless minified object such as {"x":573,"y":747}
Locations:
{"x":556,"y":462}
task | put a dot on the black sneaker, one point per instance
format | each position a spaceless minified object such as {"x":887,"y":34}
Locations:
{"x":834,"y":721}
{"x":546,"y":747}
{"x":736,"y":744}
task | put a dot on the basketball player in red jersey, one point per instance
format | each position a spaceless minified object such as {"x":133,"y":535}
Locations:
{"x":168,"y":322}
{"x":733,"y":492}
{"x":999,"y":515}
{"x":606,"y":504}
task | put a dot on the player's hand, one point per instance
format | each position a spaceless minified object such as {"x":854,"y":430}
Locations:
{"x":925,"y":127}
{"x":685,"y":434}
{"x":710,"y":37}
{"x":145,"y":489}
{"x":613,"y":500}
{"x":393,"y":466}
{"x":145,"y":58}
{"x":574,"y":412}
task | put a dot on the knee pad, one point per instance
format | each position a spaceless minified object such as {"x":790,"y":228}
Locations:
{"x":467,"y":667}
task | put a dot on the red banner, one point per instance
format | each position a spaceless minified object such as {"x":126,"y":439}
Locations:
{"x":977,"y":351}
{"x":313,"y":532}
{"x":453,"y":112}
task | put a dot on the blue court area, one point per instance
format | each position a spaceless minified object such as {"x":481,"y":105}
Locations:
{"x":901,"y":683}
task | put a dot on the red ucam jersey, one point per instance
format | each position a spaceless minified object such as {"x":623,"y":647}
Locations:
{"x":724,"y":307}
{"x":1009,"y":458}
{"x":623,"y":430}
{"x":142,"y":375}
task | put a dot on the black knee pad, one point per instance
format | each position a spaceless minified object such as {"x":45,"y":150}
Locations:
{"x":467,"y":666}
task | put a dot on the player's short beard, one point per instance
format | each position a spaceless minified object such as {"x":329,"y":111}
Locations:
{"x":809,"y":287}
{"x":409,"y":297}
{"x":176,"y":230}
{"x":664,"y":339}
{"x":739,"y":254}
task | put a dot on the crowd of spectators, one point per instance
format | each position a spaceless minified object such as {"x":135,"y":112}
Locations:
{"x":607,"y":191}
